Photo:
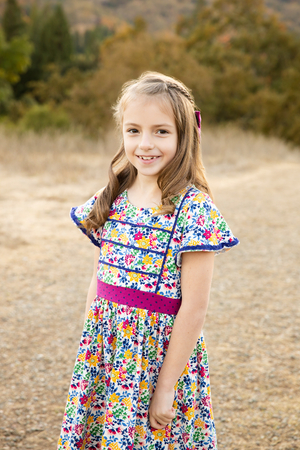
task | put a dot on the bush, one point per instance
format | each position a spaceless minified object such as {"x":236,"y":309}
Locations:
{"x":6,"y":96}
{"x":42,"y":117}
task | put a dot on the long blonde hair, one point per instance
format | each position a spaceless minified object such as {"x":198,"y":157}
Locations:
{"x":186,"y":168}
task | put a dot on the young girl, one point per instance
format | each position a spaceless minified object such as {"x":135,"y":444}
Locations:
{"x":141,"y":376}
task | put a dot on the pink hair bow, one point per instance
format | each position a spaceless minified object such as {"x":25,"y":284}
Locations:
{"x":198,"y":118}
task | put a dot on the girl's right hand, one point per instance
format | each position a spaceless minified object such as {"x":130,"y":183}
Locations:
{"x":161,"y":411}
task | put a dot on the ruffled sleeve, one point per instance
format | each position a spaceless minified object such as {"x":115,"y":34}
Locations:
{"x":79,"y":214}
{"x":205,"y":228}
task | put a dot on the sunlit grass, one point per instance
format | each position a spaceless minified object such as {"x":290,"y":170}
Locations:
{"x":229,"y":147}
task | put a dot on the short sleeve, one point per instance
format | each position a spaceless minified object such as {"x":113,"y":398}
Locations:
{"x":79,"y":214}
{"x":205,"y":228}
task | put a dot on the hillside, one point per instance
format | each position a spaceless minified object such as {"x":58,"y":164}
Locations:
{"x":159,"y":15}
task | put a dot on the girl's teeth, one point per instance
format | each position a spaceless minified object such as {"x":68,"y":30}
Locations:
{"x":148,"y":157}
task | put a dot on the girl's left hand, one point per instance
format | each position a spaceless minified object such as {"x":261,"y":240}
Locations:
{"x":161,"y":411}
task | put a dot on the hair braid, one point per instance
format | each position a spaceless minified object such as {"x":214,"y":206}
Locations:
{"x":184,"y":91}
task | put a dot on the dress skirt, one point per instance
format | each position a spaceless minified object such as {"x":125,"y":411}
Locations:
{"x":129,"y":325}
{"x":120,"y":354}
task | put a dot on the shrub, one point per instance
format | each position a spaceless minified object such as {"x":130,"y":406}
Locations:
{"x":42,"y":117}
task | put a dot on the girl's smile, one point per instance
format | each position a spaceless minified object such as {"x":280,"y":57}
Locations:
{"x":150,"y":135}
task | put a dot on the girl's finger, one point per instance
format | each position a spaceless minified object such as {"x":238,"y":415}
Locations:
{"x":167,"y":417}
{"x":164,"y":420}
{"x":155,"y":424}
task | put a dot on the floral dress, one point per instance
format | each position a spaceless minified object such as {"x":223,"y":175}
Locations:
{"x":123,"y":344}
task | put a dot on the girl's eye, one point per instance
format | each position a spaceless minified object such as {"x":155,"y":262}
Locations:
{"x":162,"y":131}
{"x":132,"y":131}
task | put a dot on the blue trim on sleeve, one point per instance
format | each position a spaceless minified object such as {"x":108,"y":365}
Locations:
{"x":213,"y":248}
{"x":81,"y":227}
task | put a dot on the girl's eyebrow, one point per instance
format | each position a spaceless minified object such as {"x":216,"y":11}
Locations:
{"x":154,"y":126}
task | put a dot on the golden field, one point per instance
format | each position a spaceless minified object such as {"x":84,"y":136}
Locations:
{"x":253,"y":323}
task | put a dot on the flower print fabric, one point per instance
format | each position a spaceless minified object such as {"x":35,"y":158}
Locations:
{"x":205,"y":228}
{"x":79,"y":215}
{"x":122,"y":348}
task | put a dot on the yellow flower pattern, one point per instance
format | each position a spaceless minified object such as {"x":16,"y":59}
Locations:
{"x":144,"y":242}
{"x":159,"y":434}
{"x":127,"y":401}
{"x":93,"y":360}
{"x":190,"y":413}
{"x":143,"y":385}
{"x":127,"y":332}
{"x":147,"y":259}
{"x":134,"y":276}
{"x":128,"y":354}
{"x":124,"y":238}
{"x":114,"y":398}
{"x":115,"y":375}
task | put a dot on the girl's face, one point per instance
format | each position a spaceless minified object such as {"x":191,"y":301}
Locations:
{"x":150,"y":135}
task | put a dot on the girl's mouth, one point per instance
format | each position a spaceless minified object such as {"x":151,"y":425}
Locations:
{"x":147,"y":158}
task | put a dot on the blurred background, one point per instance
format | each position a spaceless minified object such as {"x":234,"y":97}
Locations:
{"x":62,"y":65}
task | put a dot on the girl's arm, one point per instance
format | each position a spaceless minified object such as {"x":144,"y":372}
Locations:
{"x":196,"y":276}
{"x":93,"y":285}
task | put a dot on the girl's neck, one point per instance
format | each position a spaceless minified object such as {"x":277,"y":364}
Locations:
{"x":144,"y":193}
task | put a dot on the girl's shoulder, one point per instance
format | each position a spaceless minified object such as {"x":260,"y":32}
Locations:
{"x":193,"y":197}
{"x":198,"y":209}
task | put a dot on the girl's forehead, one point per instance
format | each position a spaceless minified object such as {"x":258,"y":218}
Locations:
{"x":146,"y":102}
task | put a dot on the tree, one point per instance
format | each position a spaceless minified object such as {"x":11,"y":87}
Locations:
{"x":92,"y":40}
{"x":55,"y":41}
{"x":52,"y":42}
{"x":12,"y":22}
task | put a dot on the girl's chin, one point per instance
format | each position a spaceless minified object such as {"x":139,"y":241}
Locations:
{"x":147,"y":173}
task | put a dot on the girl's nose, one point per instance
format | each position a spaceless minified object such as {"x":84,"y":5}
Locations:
{"x":146,"y":142}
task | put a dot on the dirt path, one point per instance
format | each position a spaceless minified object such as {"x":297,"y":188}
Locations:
{"x":252,"y":328}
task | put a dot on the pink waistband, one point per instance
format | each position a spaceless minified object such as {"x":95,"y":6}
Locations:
{"x":138,"y":299}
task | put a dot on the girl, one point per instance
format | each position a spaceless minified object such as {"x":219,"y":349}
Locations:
{"x":141,"y":376}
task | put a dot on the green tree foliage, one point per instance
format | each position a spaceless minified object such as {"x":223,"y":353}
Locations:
{"x":15,"y":58}
{"x":56,"y":88}
{"x":12,"y":21}
{"x":52,"y":43}
{"x":93,"y":38}
{"x":55,"y":41}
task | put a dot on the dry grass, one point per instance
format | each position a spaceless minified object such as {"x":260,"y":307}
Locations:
{"x":56,"y":156}
{"x":230,"y":148}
